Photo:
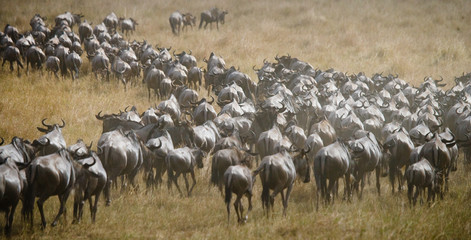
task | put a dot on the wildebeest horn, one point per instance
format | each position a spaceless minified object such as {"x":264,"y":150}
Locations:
{"x":88,"y":165}
{"x":3,"y":140}
{"x":99,"y":117}
{"x":211,"y":102}
{"x":308,"y":150}
{"x":189,"y":50}
{"x":126,"y":109}
{"x":63,"y":123}
{"x":360,"y":149}
{"x":43,"y":122}
{"x":293,"y":148}
{"x":385,"y":105}
{"x":174,"y":53}
{"x":205,"y":60}
{"x":282,"y":109}
{"x":441,"y":79}
{"x":90,"y":146}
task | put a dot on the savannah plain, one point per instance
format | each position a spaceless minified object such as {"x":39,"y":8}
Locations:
{"x":413,"y":39}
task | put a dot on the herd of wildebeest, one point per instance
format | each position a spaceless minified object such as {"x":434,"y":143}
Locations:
{"x":293,"y":119}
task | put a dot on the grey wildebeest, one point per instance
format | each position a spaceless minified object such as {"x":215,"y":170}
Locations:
{"x":120,"y":154}
{"x":73,"y":63}
{"x":50,"y":175}
{"x":53,"y":65}
{"x":367,"y":155}
{"x":212,"y":15}
{"x":182,"y":161}
{"x":400,"y":147}
{"x":12,"y":185}
{"x":238,"y":180}
{"x":176,"y":22}
{"x":277,"y":172}
{"x":34,"y":57}
{"x":421,"y":175}
{"x":225,"y":158}
{"x":89,"y":185}
{"x":331,"y":163}
{"x":12,"y":54}
{"x":127,"y":25}
{"x":53,"y":140}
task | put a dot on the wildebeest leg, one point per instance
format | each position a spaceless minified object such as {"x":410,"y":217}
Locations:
{"x":194,"y":181}
{"x":237,"y":208}
{"x":94,"y":209}
{"x":410,"y":190}
{"x":362,"y":185}
{"x":187,"y":185}
{"x":40,"y":204}
{"x":107,"y":191}
{"x":330,"y":190}
{"x":63,"y":200}
{"x":10,"y":218}
{"x":249,"y":197}
{"x":285,"y":201}
{"x":392,"y":174}
{"x":77,"y":200}
{"x":378,"y":173}
{"x":175,"y":180}
{"x":400,"y":178}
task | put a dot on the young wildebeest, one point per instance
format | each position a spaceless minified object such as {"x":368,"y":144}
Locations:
{"x":87,"y":185}
{"x":421,"y":175}
{"x":238,"y":180}
{"x":183,"y":160}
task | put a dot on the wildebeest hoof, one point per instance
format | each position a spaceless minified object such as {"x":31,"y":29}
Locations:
{"x":53,"y":224}
{"x":108,"y":203}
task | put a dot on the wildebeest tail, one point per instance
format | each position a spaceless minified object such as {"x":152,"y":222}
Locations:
{"x":29,"y":194}
{"x":227,"y":189}
{"x":214,"y":172}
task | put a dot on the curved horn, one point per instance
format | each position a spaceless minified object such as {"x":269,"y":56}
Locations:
{"x":90,"y":146}
{"x":308,"y":149}
{"x":63,"y":123}
{"x":43,"y":122}
{"x":361,"y":149}
{"x":99,"y":117}
{"x":211,"y":102}
{"x":88,"y":165}
{"x":189,"y":50}
{"x":157,"y":147}
{"x":126,"y":109}
{"x":3,"y":140}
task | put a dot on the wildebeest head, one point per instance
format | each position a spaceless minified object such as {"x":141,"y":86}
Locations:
{"x":50,"y":128}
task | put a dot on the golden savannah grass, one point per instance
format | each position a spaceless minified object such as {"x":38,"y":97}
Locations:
{"x":413,"y":39}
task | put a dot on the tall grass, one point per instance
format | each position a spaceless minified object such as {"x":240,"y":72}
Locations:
{"x":411,"y":38}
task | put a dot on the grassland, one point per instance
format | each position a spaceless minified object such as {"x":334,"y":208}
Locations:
{"x":411,"y":38}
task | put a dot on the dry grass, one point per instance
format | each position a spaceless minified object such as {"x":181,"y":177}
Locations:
{"x":411,"y":38}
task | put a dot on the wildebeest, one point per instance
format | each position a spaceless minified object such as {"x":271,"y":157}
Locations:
{"x":225,"y":158}
{"x":176,"y":22}
{"x":277,"y":172}
{"x":34,"y":57}
{"x":53,"y":65}
{"x":188,"y":20}
{"x":238,"y":180}
{"x":53,"y":137}
{"x":68,"y":17}
{"x":421,"y":175}
{"x":331,"y":163}
{"x":89,"y":185}
{"x":127,"y":25}
{"x":212,"y":15}
{"x":12,"y":54}
{"x":111,"y":22}
{"x":120,"y":154}
{"x":12,"y":186}
{"x":182,"y":161}
{"x":73,"y":63}
{"x":50,"y":175}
